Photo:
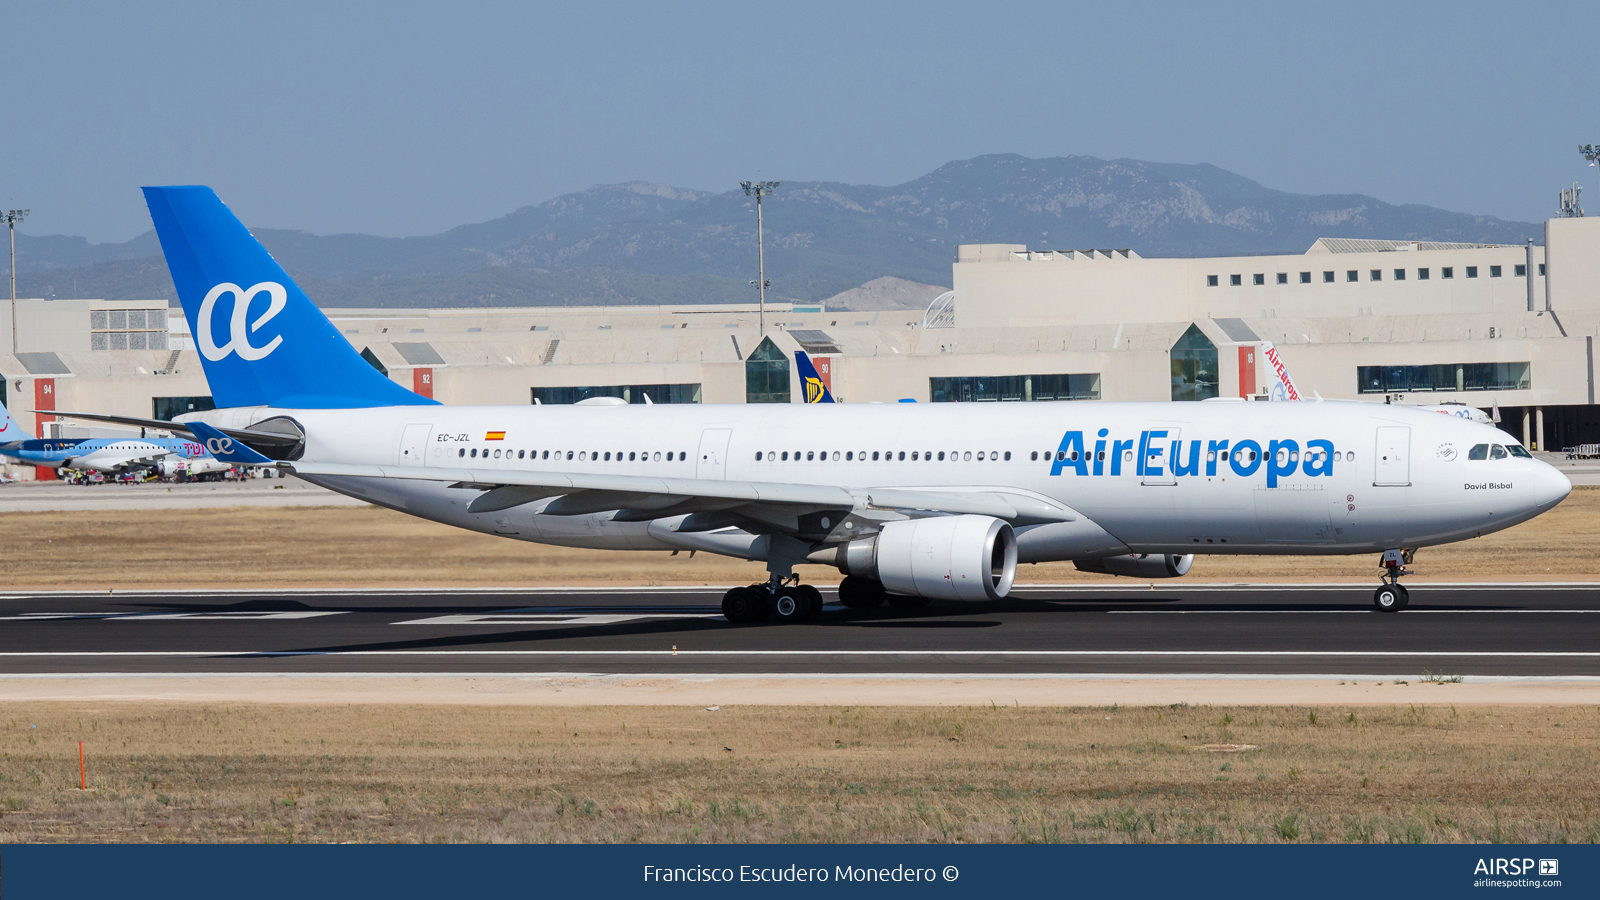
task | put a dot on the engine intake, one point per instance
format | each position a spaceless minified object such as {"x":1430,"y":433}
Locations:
{"x":942,"y":558}
{"x":1139,"y":565}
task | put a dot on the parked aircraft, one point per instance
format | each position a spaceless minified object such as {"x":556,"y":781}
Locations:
{"x":911,"y":501}
{"x":164,"y":456}
{"x":1285,"y":389}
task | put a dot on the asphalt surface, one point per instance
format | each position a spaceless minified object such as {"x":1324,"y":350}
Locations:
{"x":1178,"y":629}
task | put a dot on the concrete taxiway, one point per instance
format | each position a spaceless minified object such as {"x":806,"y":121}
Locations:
{"x":1539,"y":631}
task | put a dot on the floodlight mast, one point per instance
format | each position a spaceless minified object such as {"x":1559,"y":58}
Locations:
{"x":758,"y":189}
{"x":13,"y":216}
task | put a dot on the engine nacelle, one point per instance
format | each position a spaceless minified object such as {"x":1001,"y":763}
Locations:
{"x":1139,"y":565}
{"x":942,"y":558}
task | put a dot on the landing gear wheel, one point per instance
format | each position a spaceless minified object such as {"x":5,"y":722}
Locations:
{"x":856,"y":592}
{"x":1390,"y":598}
{"x":813,"y":600}
{"x":901,"y":601}
{"x":792,"y":604}
{"x":745,"y":604}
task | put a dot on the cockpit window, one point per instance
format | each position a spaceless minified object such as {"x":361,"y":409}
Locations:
{"x":1479,"y":451}
{"x":1498,"y":452}
{"x":1519,"y":450}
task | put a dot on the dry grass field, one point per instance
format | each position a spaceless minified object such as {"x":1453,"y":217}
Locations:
{"x":199,"y":772}
{"x":376,"y":547}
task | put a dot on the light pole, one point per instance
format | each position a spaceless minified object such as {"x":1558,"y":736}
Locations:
{"x":758,"y":189}
{"x":13,"y":216}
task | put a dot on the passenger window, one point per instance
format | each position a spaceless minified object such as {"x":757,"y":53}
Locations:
{"x":522,"y":454}
{"x":980,"y":456}
{"x":785,"y":456}
{"x":902,"y":456}
{"x":967,"y":455}
{"x":1008,"y":455}
{"x":1127,"y":456}
{"x":1100,"y":456}
{"x":914,"y":456}
{"x":1519,"y":450}
{"x":810,"y":456}
{"x":569,"y":455}
{"x":658,"y":456}
{"x":1498,"y":452}
{"x":462,"y":452}
{"x":941,"y":456}
{"x":835,"y":456}
{"x":758,"y":456}
{"x":1479,"y":451}
{"x":849,"y":455}
{"x":1337,"y":456}
{"x":1036,"y":454}
{"x":874,"y":456}
{"x":631,"y":457}
{"x":474,"y":452}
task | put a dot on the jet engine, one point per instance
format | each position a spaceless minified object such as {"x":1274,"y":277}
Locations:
{"x":1139,"y":565}
{"x":942,"y":558}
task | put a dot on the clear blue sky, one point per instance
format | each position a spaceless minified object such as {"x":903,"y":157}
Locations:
{"x":404,"y":118}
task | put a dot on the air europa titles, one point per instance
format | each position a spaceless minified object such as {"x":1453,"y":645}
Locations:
{"x":1157,"y":453}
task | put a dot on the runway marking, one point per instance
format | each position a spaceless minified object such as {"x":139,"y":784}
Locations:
{"x":1341,"y":612}
{"x":552,"y":618}
{"x":816,"y":676}
{"x":1264,"y":654}
{"x":166,"y":617}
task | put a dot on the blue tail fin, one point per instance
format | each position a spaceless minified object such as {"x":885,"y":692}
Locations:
{"x":262,"y":342}
{"x":816,"y":389}
{"x":10,"y":431}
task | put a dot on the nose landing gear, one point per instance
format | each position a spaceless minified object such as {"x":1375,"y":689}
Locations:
{"x":1392,"y":596}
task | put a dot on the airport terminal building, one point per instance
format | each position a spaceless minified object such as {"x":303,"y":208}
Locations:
{"x":1352,"y":319}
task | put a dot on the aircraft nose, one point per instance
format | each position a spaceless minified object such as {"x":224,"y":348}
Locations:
{"x":1550,"y":485}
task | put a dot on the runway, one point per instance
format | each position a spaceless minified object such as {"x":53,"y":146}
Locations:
{"x":1467,"y":630}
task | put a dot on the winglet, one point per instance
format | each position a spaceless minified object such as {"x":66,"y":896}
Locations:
{"x":816,"y":389}
{"x":225,"y":448}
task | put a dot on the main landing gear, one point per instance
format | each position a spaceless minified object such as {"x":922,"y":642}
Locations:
{"x":783,"y":599}
{"x":1392,"y":596}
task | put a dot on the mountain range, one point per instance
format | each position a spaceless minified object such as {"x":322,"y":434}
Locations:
{"x":644,"y":243}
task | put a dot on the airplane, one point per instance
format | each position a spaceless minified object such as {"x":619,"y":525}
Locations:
{"x":816,"y":389}
{"x":911,"y":502}
{"x":1285,"y":389}
{"x":165,"y":456}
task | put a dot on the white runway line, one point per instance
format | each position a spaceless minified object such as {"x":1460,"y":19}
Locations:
{"x":552,"y":618}
{"x":1342,"y":612}
{"x":1263,"y":654}
{"x":169,"y":617}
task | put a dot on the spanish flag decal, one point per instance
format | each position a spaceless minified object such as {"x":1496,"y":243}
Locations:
{"x":495,"y":436}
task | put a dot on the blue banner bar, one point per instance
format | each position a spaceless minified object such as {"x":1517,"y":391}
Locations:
{"x":395,"y":872}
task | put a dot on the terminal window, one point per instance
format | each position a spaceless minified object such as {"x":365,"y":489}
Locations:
{"x":1211,"y":281}
{"x":1259,"y":278}
{"x":1327,"y":278}
{"x":1305,"y":277}
{"x":1541,"y":268}
{"x":1013,"y":388}
{"x":1236,"y":280}
{"x":633,"y":393}
{"x":1375,"y":275}
{"x":1513,"y":376}
{"x":1194,"y":366}
{"x":1399,"y":274}
{"x":1352,"y":275}
{"x":766,"y":374}
{"x":1520,"y":271}
{"x":1447,"y":272}
{"x":1283,"y":277}
{"x":1422,"y":274}
{"x":168,"y":408}
{"x":1472,"y":271}
{"x":1494,"y":272}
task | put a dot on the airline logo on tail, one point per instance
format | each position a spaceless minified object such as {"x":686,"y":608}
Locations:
{"x":816,"y":389}
{"x":239,"y":335}
{"x":1284,"y":389}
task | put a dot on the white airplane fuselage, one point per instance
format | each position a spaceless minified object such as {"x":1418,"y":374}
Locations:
{"x":1281,"y":478}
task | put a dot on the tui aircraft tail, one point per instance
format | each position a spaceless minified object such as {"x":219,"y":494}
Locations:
{"x":816,"y":389}
{"x":10,"y":431}
{"x":262,"y":341}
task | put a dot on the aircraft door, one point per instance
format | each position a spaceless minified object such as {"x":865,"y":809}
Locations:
{"x":712,"y":460}
{"x":1392,"y":457}
{"x":414,"y":444}
{"x":1157,"y":445}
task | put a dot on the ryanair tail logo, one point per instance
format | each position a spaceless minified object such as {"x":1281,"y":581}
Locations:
{"x":811,"y":380}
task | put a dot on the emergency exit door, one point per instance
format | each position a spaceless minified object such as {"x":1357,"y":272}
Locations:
{"x":712,"y":460}
{"x":1392,"y":456}
{"x":414,"y":444}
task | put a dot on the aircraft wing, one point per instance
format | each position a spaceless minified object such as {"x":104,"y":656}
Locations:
{"x":644,"y":497}
{"x":109,"y":463}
